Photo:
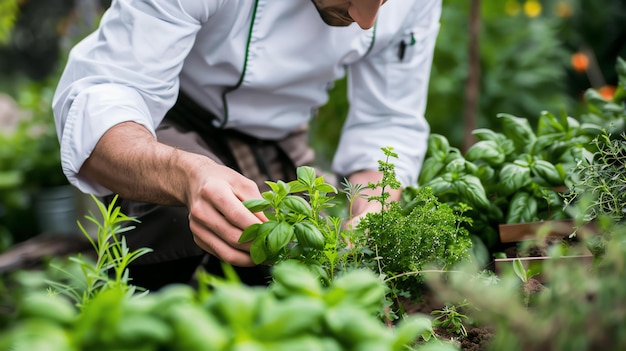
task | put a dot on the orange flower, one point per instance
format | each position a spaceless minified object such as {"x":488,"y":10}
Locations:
{"x":607,"y":92}
{"x":563,"y":9}
{"x":580,"y":62}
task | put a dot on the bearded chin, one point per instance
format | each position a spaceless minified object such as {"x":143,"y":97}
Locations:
{"x":333,"y":18}
{"x":334,"y":21}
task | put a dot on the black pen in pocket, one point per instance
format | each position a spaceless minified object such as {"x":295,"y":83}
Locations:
{"x":403,"y":45}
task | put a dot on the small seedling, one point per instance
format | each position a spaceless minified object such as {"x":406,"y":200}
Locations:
{"x":450,"y":319}
{"x":522,"y":273}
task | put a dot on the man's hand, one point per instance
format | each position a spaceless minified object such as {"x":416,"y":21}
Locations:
{"x":216,"y":213}
{"x":361,"y":205}
{"x":131,"y":162}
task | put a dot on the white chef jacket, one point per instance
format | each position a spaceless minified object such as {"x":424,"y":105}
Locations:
{"x":263,"y":67}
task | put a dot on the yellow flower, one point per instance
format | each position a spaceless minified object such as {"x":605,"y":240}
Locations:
{"x":532,"y":8}
{"x":512,"y":7}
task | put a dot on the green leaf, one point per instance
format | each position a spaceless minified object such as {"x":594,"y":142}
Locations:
{"x":438,"y":145}
{"x":487,"y":151}
{"x":519,"y":270}
{"x":257,"y":205}
{"x":518,"y":130}
{"x":484,"y":172}
{"x":522,"y":208}
{"x":250,"y":233}
{"x":297,"y":186}
{"x":279,"y":237}
{"x":430,"y":169}
{"x":306,"y":175}
{"x":441,"y":186}
{"x":258,"y":250}
{"x":294,"y":278}
{"x":326,"y":188}
{"x":472,"y":189}
{"x":282,"y":189}
{"x":549,"y":124}
{"x":547,"y":171}
{"x":456,"y":167}
{"x":297,"y":204}
{"x":273,"y":186}
{"x":309,"y":235}
{"x":486,"y":134}
{"x":514,"y":176}
{"x":289,"y":318}
{"x":409,"y":328}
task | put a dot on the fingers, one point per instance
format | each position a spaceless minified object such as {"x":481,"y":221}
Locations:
{"x":207,"y":222}
{"x":219,"y":237}
{"x":217,"y":216}
{"x":223,"y":251}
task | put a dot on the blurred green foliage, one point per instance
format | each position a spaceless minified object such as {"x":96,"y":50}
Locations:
{"x":525,"y":52}
{"x":8,"y":13}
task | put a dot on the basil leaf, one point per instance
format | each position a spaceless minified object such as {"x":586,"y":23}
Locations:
{"x":487,"y":151}
{"x":279,"y":237}
{"x":472,"y":189}
{"x":297,"y":204}
{"x":256,"y":205}
{"x":250,"y":233}
{"x":518,"y":130}
{"x":513,"y":177}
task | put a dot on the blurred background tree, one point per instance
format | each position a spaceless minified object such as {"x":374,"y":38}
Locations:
{"x":534,"y":55}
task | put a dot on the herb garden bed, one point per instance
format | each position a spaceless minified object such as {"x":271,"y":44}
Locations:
{"x":410,"y":278}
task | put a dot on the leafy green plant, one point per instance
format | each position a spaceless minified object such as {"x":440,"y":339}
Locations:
{"x":450,"y":319}
{"x":110,"y":270}
{"x":600,"y":178}
{"x":522,"y":273}
{"x":405,"y":238}
{"x":387,"y":181}
{"x":508,"y":177}
{"x":296,"y":228}
{"x":297,"y":311}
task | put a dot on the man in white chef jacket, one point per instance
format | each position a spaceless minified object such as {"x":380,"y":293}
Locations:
{"x":185,"y":107}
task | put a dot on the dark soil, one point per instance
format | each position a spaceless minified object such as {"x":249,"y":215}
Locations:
{"x":478,"y":337}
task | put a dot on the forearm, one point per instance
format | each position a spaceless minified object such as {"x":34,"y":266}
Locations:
{"x":131,"y":162}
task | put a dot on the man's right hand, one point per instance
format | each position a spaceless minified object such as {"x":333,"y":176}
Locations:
{"x":129,"y":161}
{"x":217,"y":215}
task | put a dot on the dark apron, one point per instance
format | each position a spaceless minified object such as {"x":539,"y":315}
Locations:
{"x":165,"y":229}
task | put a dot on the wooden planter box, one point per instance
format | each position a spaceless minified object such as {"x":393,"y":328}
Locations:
{"x":514,"y":234}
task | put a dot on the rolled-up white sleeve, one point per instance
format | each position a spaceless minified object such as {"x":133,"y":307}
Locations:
{"x":125,"y":71}
{"x":387,"y":92}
